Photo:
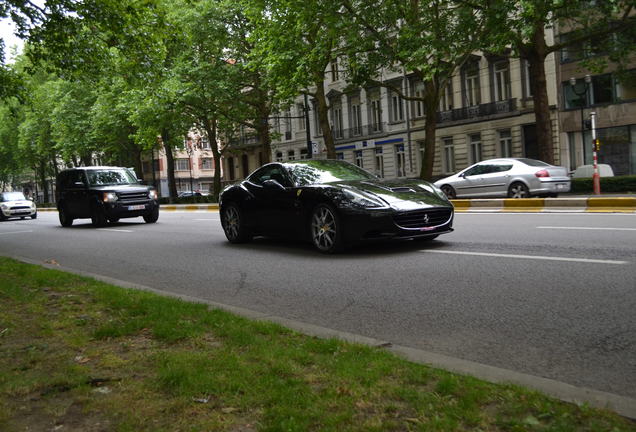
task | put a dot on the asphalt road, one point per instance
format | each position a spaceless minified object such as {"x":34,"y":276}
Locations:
{"x":551,"y":295}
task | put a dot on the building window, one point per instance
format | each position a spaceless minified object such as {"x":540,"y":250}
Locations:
{"x":300,"y":108}
{"x":358,"y":158}
{"x":336,"y":114}
{"x":626,"y":87}
{"x":397,"y":108}
{"x":446,"y":100}
{"x":291,"y":155}
{"x":505,"y":143}
{"x":182,"y":164}
{"x":379,"y":162}
{"x":205,"y":143}
{"x":303,"y":153}
{"x":340,"y":156}
{"x":472,"y":89}
{"x":526,"y":78}
{"x":356,"y":118}
{"x":449,"y":155}
{"x":279,"y":156}
{"x":376,"y":115}
{"x":230,"y":166}
{"x":501,"y":71}
{"x":418,"y":105}
{"x":475,"y":148}
{"x":288,"y":125}
{"x":400,"y":160}
{"x":334,"y":70}
{"x":603,"y":89}
{"x":207,"y":163}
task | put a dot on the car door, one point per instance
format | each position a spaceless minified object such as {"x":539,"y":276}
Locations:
{"x":72,"y":194}
{"x":271,"y":203}
{"x":495,"y":179}
{"x":471,"y":181}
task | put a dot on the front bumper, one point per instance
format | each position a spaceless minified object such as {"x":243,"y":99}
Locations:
{"x":122,"y":210}
{"x":363,"y":225}
{"x":18,"y":211}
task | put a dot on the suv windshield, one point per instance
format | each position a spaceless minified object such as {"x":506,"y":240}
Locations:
{"x":108,"y":177}
{"x":11,"y":196}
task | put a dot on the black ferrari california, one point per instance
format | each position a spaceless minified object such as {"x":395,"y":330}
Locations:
{"x":332,"y":203}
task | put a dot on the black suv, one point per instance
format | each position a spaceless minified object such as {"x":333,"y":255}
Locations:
{"x":104,"y":194}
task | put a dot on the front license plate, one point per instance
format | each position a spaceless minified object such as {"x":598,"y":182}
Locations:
{"x":137,"y":207}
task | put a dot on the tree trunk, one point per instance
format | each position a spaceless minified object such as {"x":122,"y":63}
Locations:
{"x":172,"y":186}
{"x":323,"y":118}
{"x":431,"y":102}
{"x":43,"y":181}
{"x":210,"y":130}
{"x":536,"y":55}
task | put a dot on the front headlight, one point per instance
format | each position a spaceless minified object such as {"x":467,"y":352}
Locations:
{"x":110,"y":197}
{"x":361,"y":200}
{"x":4,"y":206}
{"x":152,"y":194}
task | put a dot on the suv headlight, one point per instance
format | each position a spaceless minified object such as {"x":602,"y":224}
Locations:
{"x":110,"y":197}
{"x":152,"y":194}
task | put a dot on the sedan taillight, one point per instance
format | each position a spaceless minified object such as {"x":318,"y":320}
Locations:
{"x":542,"y":173}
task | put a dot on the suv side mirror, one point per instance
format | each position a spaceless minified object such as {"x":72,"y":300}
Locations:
{"x":273,"y":184}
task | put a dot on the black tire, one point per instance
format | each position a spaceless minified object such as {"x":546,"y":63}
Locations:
{"x":98,"y":217}
{"x":151,"y":217}
{"x":22,"y":217}
{"x":325,"y":229}
{"x":518,"y":190}
{"x":34,"y":216}
{"x":233,"y":222}
{"x":65,"y":219}
{"x":449,"y":191}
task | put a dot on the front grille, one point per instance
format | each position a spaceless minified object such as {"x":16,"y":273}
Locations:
{"x":132,"y":196}
{"x":21,"y":208}
{"x":422,"y":218}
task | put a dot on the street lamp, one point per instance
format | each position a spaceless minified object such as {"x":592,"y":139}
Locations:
{"x":582,"y":94}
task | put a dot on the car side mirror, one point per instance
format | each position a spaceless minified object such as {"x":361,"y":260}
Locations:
{"x":462,"y":175}
{"x":273,"y":184}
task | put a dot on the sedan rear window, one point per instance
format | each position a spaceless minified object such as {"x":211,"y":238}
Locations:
{"x":533,"y":162}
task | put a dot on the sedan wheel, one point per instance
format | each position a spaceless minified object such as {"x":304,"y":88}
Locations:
{"x":325,"y":229}
{"x":518,"y":190}
{"x":449,"y":191}
{"x":234,"y":225}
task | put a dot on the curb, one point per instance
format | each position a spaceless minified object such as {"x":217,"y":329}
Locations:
{"x":542,"y":205}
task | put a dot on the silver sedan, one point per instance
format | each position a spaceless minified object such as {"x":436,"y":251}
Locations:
{"x":507,"y":177}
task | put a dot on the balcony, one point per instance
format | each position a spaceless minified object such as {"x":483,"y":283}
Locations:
{"x":244,"y":141}
{"x":478,"y":112}
{"x":359,"y":132}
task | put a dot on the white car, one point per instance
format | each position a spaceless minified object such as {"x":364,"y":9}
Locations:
{"x":507,"y":177}
{"x":16,"y":205}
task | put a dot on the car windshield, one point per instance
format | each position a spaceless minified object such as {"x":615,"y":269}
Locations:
{"x":534,"y":162}
{"x":11,"y":196}
{"x":326,"y":171}
{"x":108,"y":177}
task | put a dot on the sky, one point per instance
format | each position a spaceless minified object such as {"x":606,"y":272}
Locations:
{"x":10,"y":40}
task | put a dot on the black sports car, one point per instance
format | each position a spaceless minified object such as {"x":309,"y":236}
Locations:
{"x":331,"y":203}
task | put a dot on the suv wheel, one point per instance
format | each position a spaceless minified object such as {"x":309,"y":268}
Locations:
{"x":65,"y":219}
{"x":152,"y":216}
{"x":98,"y":217}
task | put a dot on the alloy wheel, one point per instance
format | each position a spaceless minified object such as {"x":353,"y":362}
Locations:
{"x":324,"y":229}
{"x":518,"y":190}
{"x":231,"y":221}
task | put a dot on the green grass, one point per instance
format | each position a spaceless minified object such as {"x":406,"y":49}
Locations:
{"x":87,"y":356}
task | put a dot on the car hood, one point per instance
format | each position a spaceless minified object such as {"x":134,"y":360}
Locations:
{"x":15,"y":203}
{"x":122,"y":188}
{"x":399,"y":194}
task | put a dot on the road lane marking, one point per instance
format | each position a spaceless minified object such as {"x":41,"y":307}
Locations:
{"x":16,"y":232}
{"x":114,"y":230}
{"x":533,"y":257}
{"x":587,"y":228}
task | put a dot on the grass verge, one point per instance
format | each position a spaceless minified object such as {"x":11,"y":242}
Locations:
{"x":81,"y":355}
